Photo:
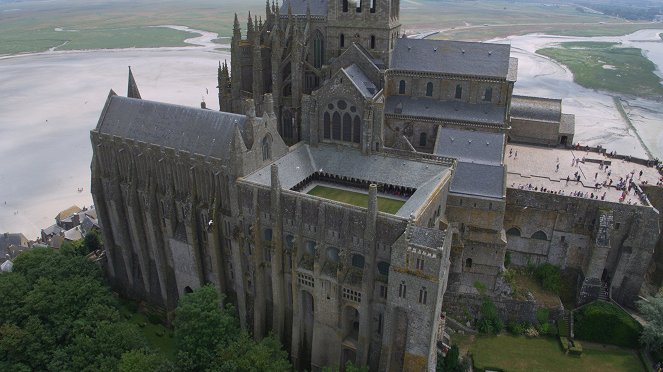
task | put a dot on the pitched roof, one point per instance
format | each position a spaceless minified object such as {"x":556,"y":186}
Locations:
{"x":482,"y":113}
{"x":479,"y":180}
{"x":365,"y":86}
{"x":536,"y":108}
{"x":452,"y":57}
{"x":194,"y":130}
{"x":433,"y":238}
{"x":470,"y":146}
{"x":318,"y":7}
{"x":68,"y":212}
{"x":7,"y":239}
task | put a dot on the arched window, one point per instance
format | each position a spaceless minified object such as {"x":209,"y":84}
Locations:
{"x":358,"y":9}
{"x":267,"y":148}
{"x":423,"y":294}
{"x":373,"y":5}
{"x":188,"y":290}
{"x":327,"y":126}
{"x":372,"y":41}
{"x":341,"y":41}
{"x":401,"y":87}
{"x":514,"y":231}
{"x":287,"y":124}
{"x":468,"y":263}
{"x":459,"y":92}
{"x":540,"y":235}
{"x":383,"y":268}
{"x":356,"y":130}
{"x":402,"y":290}
{"x":429,"y":89}
{"x":345,"y":5}
{"x":332,"y":254}
{"x":423,"y":140}
{"x":267,"y":234}
{"x":347,"y":127}
{"x":318,"y":50}
{"x":488,"y":94}
{"x":310,"y":247}
{"x":336,"y":126}
{"x":358,"y":261}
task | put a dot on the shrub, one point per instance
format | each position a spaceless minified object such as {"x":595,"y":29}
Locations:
{"x":562,"y":327}
{"x":515,"y":328}
{"x":565,"y":343}
{"x":549,"y":276}
{"x":605,"y":323}
{"x":489,"y":321}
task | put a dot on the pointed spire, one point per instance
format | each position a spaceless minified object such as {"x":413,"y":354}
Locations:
{"x":132,"y":90}
{"x":268,"y":10}
{"x":237,"y":31}
{"x":260,"y":23}
{"x":249,"y":26}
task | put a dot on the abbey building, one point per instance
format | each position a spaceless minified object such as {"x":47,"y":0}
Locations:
{"x":325,"y":99}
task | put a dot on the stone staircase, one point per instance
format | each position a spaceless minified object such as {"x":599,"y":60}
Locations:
{"x":604,"y":294}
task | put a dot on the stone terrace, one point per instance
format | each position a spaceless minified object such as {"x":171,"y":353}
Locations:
{"x":537,"y":166}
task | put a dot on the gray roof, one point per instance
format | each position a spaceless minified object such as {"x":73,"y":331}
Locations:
{"x":433,"y":238}
{"x":304,"y":161}
{"x":452,"y":57}
{"x":568,"y":124}
{"x":479,"y":180}
{"x":318,"y":7}
{"x":52,"y":230}
{"x":458,"y":111}
{"x":512,"y":75}
{"x":203,"y":132}
{"x":7,"y":239}
{"x":365,"y":86}
{"x":470,"y":146}
{"x":536,"y":108}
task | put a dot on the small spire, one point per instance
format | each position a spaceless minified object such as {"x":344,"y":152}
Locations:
{"x":268,"y":10}
{"x":132,"y":89}
{"x":249,"y":25}
{"x":237,"y":31}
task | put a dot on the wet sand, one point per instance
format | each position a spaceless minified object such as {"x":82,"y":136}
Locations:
{"x":50,"y":101}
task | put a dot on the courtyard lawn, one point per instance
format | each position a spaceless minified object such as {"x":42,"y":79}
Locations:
{"x":512,"y":353}
{"x":386,"y":205}
{"x":609,"y":67}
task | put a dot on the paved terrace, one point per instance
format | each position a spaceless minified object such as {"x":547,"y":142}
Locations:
{"x":538,"y":167}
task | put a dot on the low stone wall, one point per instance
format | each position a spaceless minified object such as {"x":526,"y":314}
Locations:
{"x":457,"y":304}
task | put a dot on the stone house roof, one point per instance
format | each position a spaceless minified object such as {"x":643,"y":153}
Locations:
{"x":67,"y":213}
{"x":470,"y":146}
{"x":479,"y":180}
{"x":11,"y":239}
{"x":363,"y":84}
{"x":452,"y":111}
{"x":194,"y":130}
{"x":536,"y":108}
{"x":452,"y":57}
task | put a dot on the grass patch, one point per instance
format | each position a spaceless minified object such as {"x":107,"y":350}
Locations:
{"x":606,"y":323}
{"x":386,"y":205}
{"x":544,"y":354}
{"x":605,"y":66}
{"x":158,"y":336}
{"x":523,"y":283}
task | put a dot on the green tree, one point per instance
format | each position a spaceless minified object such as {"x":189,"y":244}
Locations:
{"x":92,"y":242}
{"x":549,"y":276}
{"x":244,"y":354}
{"x":202,"y":326}
{"x":144,"y":361}
{"x":450,"y":362}
{"x":489,"y":321}
{"x":652,"y":333}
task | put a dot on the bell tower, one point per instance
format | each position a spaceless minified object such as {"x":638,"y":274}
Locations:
{"x":373,"y":24}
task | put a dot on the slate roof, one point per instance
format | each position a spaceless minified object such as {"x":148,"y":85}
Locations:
{"x":195,"y":130}
{"x":470,"y":146}
{"x":536,"y":108}
{"x":483,"y":113}
{"x":568,"y":124}
{"x":365,"y":86}
{"x":52,"y":230}
{"x":304,"y":161}
{"x":452,"y":57}
{"x":433,"y":238}
{"x":479,"y":180}
{"x":7,"y":239}
{"x":318,"y":7}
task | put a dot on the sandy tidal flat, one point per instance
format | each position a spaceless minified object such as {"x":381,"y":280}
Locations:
{"x":50,"y":101}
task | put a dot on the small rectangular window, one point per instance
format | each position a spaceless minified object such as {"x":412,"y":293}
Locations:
{"x":420,"y":263}
{"x":617,"y":226}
